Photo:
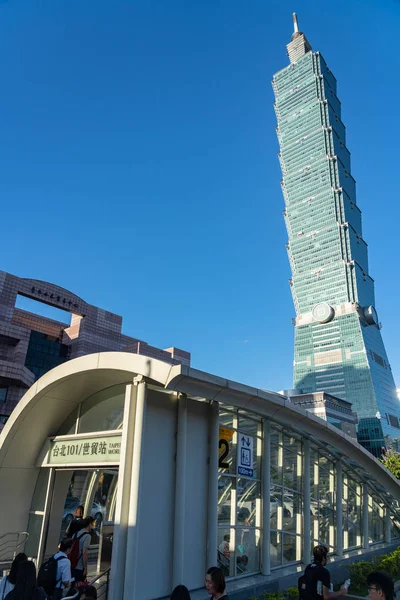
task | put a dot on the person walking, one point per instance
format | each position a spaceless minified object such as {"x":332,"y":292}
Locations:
{"x":83,"y":539}
{"x":26,"y":585}
{"x":55,"y":573}
{"x":8,"y":581}
{"x":76,"y":522}
{"x":315,"y":584}
{"x":215,"y":584}
{"x":63,"y":569}
{"x":380,"y":586}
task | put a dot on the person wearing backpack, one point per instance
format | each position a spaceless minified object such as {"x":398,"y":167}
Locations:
{"x":8,"y":582}
{"x":55,"y":574}
{"x":79,"y":551}
{"x":315,"y":584}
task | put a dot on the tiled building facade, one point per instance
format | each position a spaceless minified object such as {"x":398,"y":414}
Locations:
{"x":31,"y":345}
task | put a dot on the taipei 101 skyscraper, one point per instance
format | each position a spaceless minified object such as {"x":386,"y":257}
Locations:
{"x":338,"y":343}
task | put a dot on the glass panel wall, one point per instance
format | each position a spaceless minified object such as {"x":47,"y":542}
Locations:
{"x":352,"y":512}
{"x":376,"y":519}
{"x":394,"y":527}
{"x":322,"y":502}
{"x":239,"y":495}
{"x":104,"y":411}
{"x":285,"y":502}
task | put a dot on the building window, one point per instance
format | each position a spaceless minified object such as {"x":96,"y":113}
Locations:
{"x":239,"y":495}
{"x":3,"y":393}
{"x":44,"y":353}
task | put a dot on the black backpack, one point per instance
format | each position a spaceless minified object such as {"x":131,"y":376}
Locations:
{"x":307,"y":585}
{"x":47,"y":576}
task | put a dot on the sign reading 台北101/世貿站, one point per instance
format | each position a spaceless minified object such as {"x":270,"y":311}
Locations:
{"x":99,"y":450}
{"x":245,"y":455}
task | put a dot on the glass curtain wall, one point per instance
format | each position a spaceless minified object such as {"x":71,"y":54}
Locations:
{"x":376,"y":519}
{"x":322,"y":502}
{"x":285,"y":503}
{"x":239,"y":497}
{"x":352,"y":512}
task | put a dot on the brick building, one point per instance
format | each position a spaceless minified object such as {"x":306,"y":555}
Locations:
{"x":31,"y":345}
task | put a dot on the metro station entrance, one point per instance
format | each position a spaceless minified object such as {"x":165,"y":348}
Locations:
{"x":95,"y":490}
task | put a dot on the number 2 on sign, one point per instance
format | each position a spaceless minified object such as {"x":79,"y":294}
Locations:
{"x":222,"y":464}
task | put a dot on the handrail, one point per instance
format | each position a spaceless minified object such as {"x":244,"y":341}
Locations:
{"x":24,"y":540}
{"x":104,"y":585}
{"x":100,"y":576}
{"x":9,"y":543}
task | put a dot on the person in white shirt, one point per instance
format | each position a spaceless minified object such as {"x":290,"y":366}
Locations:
{"x":63,"y":568}
{"x":8,"y":581}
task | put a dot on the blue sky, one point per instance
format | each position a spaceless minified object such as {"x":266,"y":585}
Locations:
{"x":138,"y":163}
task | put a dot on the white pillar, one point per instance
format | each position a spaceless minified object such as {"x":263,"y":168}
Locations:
{"x":212,"y":526}
{"x":365,"y":517}
{"x":123,"y":492}
{"x":266,"y":495}
{"x":388,"y":526}
{"x":180,"y":487}
{"x":306,"y":502}
{"x":133,"y":541}
{"x":339,"y":509}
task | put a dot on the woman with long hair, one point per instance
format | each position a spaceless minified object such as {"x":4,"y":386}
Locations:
{"x":75,"y":524}
{"x":26,"y":585}
{"x":8,"y":581}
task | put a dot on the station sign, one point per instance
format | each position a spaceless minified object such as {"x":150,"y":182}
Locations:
{"x":245,"y":455}
{"x":80,"y":450}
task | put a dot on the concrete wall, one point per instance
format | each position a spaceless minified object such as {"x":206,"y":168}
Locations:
{"x":156,"y":509}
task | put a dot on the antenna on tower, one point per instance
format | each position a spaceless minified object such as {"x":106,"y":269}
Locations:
{"x":295,"y":23}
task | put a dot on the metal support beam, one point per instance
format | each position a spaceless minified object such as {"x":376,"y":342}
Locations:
{"x":388,"y":526}
{"x":212,"y":526}
{"x":365,"y":516}
{"x":339,"y":509}
{"x":306,"y":502}
{"x":180,"y":487}
{"x":46,"y":517}
{"x":266,"y":487}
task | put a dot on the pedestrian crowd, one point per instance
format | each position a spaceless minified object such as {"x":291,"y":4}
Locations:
{"x":64,"y":576}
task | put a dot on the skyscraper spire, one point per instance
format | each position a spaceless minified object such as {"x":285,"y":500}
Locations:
{"x":295,"y":23}
{"x":299,"y":44}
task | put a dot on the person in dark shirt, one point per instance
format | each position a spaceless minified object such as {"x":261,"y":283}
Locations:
{"x":76,"y":523}
{"x":320,"y":576}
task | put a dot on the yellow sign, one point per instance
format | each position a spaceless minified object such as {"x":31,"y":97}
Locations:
{"x":225,"y":437}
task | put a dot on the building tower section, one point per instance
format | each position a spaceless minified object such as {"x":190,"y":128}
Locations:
{"x":338,"y":342}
